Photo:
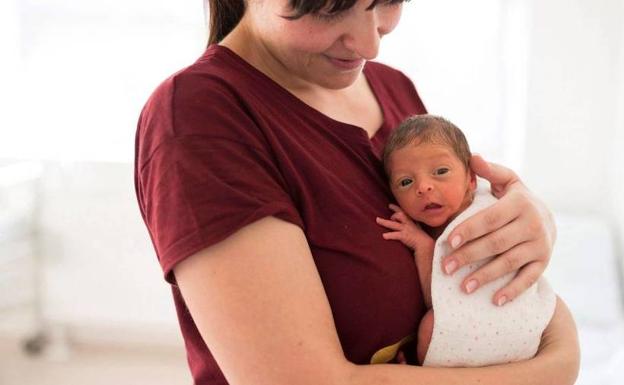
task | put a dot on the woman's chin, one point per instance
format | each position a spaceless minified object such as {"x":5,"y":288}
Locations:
{"x":337,"y":81}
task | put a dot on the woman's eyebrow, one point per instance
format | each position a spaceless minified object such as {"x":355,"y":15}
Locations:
{"x":372,"y":5}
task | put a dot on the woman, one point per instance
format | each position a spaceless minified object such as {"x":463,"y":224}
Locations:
{"x":258,"y":176}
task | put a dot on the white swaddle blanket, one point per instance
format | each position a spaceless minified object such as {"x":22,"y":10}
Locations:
{"x":469,"y":330}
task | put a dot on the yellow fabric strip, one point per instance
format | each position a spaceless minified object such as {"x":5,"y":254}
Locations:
{"x":387,"y":354}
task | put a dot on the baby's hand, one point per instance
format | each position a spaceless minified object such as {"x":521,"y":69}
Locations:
{"x":412,"y":236}
{"x":405,"y":230}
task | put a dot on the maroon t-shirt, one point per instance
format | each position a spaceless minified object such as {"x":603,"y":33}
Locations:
{"x":220,"y":145}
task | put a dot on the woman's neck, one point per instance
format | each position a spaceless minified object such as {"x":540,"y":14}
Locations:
{"x":246,"y":44}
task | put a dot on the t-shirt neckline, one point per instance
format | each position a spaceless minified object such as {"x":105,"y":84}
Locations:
{"x":360,"y":130}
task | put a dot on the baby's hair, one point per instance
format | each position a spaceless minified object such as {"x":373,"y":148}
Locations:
{"x":428,"y":129}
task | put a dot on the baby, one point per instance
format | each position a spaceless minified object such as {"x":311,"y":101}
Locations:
{"x":427,"y":162}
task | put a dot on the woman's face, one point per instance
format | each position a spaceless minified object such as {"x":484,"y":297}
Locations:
{"x":323,"y":49}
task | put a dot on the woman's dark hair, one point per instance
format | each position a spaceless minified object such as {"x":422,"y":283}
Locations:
{"x":225,"y":14}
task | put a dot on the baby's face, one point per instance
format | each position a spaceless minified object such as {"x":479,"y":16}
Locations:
{"x":430,"y":183}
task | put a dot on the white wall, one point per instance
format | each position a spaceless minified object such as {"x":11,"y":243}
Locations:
{"x":617,"y":162}
{"x":88,"y":68}
{"x":574,"y":81}
{"x":100,"y":266}
{"x":451,"y":49}
{"x":575,"y":131}
{"x":10,"y":42}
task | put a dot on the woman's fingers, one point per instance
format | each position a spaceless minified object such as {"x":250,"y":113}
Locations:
{"x":519,"y":246}
{"x":484,"y":222}
{"x":526,"y":277}
{"x":500,"y":177}
{"x":494,"y":243}
{"x":516,"y":259}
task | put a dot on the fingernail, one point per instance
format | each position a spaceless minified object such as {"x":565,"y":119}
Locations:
{"x":455,"y":241}
{"x":450,"y":267}
{"x":502,"y":300}
{"x":471,"y":286}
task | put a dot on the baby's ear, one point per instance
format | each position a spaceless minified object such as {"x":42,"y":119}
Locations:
{"x":473,"y":180}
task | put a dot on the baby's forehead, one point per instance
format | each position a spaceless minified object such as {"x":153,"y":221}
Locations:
{"x":429,"y":148}
{"x":421,"y":153}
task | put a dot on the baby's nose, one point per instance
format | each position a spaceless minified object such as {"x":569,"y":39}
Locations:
{"x":424,"y":187}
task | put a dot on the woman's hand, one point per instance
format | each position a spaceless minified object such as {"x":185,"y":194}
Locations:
{"x":404,"y":229}
{"x":518,"y":228}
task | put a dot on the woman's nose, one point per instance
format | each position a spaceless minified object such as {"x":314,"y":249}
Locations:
{"x":364,"y":36}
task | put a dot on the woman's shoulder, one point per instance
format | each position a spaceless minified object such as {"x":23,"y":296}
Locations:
{"x":210,"y":76}
{"x":203,"y":99}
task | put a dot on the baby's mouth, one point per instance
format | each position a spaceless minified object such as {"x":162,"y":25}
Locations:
{"x":432,"y":206}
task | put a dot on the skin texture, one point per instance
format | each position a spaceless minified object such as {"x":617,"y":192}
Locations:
{"x":259,"y":287}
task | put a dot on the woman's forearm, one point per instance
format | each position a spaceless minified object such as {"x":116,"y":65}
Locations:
{"x":556,"y":363}
{"x":534,"y":372}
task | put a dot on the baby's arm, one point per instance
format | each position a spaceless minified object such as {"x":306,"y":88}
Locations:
{"x":411,"y":235}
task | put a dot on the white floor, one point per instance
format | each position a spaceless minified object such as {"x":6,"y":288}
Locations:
{"x":93,"y":365}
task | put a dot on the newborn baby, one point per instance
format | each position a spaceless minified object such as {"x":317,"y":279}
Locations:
{"x":427,"y":162}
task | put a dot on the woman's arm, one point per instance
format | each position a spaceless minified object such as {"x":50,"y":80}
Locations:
{"x":518,"y":228}
{"x":556,"y":363}
{"x":259,"y":304}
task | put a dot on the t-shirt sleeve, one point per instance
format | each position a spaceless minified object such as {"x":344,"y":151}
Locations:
{"x":206,"y":182}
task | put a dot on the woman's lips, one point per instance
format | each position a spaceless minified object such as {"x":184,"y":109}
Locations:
{"x":345,"y":64}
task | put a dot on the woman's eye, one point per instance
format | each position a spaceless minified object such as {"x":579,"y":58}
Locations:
{"x":328,"y":17}
{"x":394,"y":2}
{"x":441,"y":171}
{"x":405,"y":182}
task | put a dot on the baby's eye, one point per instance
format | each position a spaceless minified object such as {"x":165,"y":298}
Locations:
{"x":441,"y":171}
{"x":405,"y":182}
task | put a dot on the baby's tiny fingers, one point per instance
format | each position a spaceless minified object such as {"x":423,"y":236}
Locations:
{"x":395,"y":208}
{"x":392,"y":235}
{"x":399,"y":217}
{"x":392,"y":225}
{"x":526,"y":277}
